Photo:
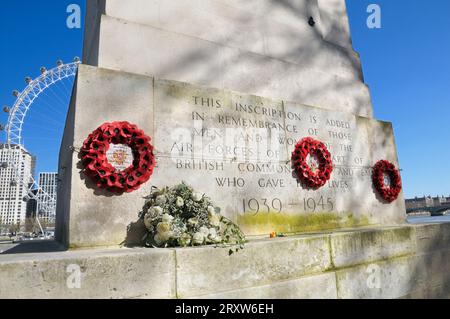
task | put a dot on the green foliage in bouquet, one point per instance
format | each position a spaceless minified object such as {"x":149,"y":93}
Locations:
{"x":180,"y":217}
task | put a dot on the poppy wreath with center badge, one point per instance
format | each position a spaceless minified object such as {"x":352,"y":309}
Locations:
{"x":388,"y":192}
{"x":310,"y":147}
{"x":103,"y":173}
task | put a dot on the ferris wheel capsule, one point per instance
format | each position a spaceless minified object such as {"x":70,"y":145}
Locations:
{"x":28,"y":80}
{"x":15,"y":93}
{"x":59,"y":63}
{"x":43,"y":70}
{"x":76,"y":59}
{"x":6,"y":109}
{"x":2,"y":127}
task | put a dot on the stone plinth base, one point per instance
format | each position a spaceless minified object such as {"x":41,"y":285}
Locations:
{"x":389,"y":262}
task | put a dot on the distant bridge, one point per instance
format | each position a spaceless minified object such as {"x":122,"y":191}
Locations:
{"x":434,"y":211}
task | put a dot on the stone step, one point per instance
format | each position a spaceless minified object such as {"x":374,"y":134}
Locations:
{"x":408,"y":261}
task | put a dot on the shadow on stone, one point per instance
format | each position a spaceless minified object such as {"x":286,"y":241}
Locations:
{"x":38,"y":246}
{"x":136,"y":232}
{"x":89,"y":184}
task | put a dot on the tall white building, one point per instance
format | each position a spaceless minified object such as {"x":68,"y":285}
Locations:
{"x":46,"y":205}
{"x":14,"y":185}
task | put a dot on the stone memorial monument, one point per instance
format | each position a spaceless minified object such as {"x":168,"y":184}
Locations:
{"x":259,"y":104}
{"x":225,"y":91}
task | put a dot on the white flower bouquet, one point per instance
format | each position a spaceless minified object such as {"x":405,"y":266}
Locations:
{"x":180,"y":217}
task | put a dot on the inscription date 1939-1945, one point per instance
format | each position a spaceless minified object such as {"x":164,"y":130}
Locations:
{"x":275,"y":205}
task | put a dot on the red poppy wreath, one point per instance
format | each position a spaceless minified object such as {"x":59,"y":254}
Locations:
{"x":388,"y":192}
{"x":310,"y":147}
{"x":103,"y":173}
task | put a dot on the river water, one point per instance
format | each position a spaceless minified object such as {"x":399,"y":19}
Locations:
{"x":428,"y":219}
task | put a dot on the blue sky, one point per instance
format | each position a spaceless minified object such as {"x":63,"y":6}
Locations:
{"x":406,"y":63}
{"x":34,"y":34}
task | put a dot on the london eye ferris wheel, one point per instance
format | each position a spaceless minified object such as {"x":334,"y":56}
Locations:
{"x":35,"y":125}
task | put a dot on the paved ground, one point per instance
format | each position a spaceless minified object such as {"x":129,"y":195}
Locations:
{"x":35,"y":246}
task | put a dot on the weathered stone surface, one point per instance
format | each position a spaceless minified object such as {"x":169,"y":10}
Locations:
{"x":350,"y":248}
{"x":293,"y":267}
{"x":247,"y":164}
{"x":240,"y":144}
{"x":211,"y":270}
{"x":88,"y":216}
{"x":437,"y":267}
{"x":219,"y":13}
{"x":116,"y":273}
{"x":382,"y":280}
{"x":433,"y":237}
{"x":440,"y":291}
{"x":264,"y":48}
{"x":420,"y":273}
{"x":321,"y":286}
{"x":334,"y":22}
{"x":382,"y":146}
{"x":269,"y":28}
{"x":318,"y":74}
{"x":274,"y":53}
{"x":431,"y":272}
